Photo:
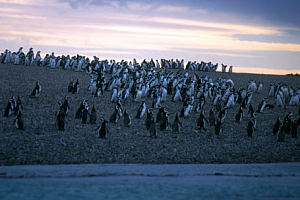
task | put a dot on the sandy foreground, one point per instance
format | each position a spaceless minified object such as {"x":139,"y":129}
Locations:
{"x":42,"y":143}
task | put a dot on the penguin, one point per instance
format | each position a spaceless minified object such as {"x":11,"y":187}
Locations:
{"x":103,"y":130}
{"x":141,"y":111}
{"x":211,"y":117}
{"x":152,"y":129}
{"x":201,"y":122}
{"x":251,"y":126}
{"x":71,"y":87}
{"x":240,"y":115}
{"x":85,"y":113}
{"x":61,"y":120}
{"x":271,"y":91}
{"x":218,"y":126}
{"x":223,"y":114}
{"x":115,"y":116}
{"x":149,"y":118}
{"x":164,"y":123}
{"x":79,"y":111}
{"x":280,"y":135}
{"x":66,"y":105}
{"x":37,"y":90}
{"x":294,"y":129}
{"x":76,"y":87}
{"x":19,"y":122}
{"x":277,"y":126}
{"x":93,"y":115}
{"x":177,"y":124}
{"x":127,"y":119}
{"x":287,"y":122}
{"x":9,"y":108}
{"x":262,"y":106}
{"x":19,"y":106}
{"x":250,"y":111}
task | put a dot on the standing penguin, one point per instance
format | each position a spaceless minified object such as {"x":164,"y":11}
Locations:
{"x":294,"y":129}
{"x":164,"y":123}
{"x":19,"y":122}
{"x":177,"y":124}
{"x":262,"y":106}
{"x":240,"y":115}
{"x":127,"y":119}
{"x":251,"y":126}
{"x":115,"y":116}
{"x":280,"y":135}
{"x":85,"y":113}
{"x":37,"y":90}
{"x":61,"y":120}
{"x":103,"y":130}
{"x":211,"y":117}
{"x":93,"y":116}
{"x":76,"y":87}
{"x":149,"y":118}
{"x":79,"y":111}
{"x":153,"y":130}
{"x":277,"y":126}
{"x":218,"y":126}
{"x":250,"y":111}
{"x":9,"y":108}
{"x":71,"y":86}
{"x":141,"y":111}
{"x":201,"y":122}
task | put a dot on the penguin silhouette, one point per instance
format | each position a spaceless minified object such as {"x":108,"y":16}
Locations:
{"x":103,"y":130}
{"x":93,"y":116}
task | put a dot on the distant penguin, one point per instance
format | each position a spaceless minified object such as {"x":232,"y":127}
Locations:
{"x":71,"y":87}
{"x":19,"y":122}
{"x":19,"y":106}
{"x":9,"y":108}
{"x":61,"y":120}
{"x":277,"y":126}
{"x":76,"y":87}
{"x":152,"y":129}
{"x":251,"y":127}
{"x":141,"y":111}
{"x":250,"y":111}
{"x":294,"y":129}
{"x":79,"y":111}
{"x":262,"y":106}
{"x":201,"y":122}
{"x":103,"y":130}
{"x":271,"y":91}
{"x":177,"y":124}
{"x":280,"y":135}
{"x":164,"y":123}
{"x":37,"y":90}
{"x":115,"y":116}
{"x":211,"y":117}
{"x":149,"y":118}
{"x":127,"y":119}
{"x":287,"y":122}
{"x":218,"y":126}
{"x":93,"y":116}
{"x":85,"y":113}
{"x":240,"y":115}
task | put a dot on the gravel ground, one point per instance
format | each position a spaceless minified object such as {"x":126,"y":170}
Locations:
{"x":42,"y":143}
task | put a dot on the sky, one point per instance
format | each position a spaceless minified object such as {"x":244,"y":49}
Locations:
{"x":257,"y":36}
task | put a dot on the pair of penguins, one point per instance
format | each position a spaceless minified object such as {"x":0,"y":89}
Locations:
{"x":73,"y":87}
{"x":213,"y":120}
{"x":15,"y":107}
{"x":288,"y":126}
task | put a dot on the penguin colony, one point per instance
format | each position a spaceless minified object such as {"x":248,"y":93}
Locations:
{"x":134,"y":82}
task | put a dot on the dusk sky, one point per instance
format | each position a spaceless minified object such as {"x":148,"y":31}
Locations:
{"x":261,"y":36}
